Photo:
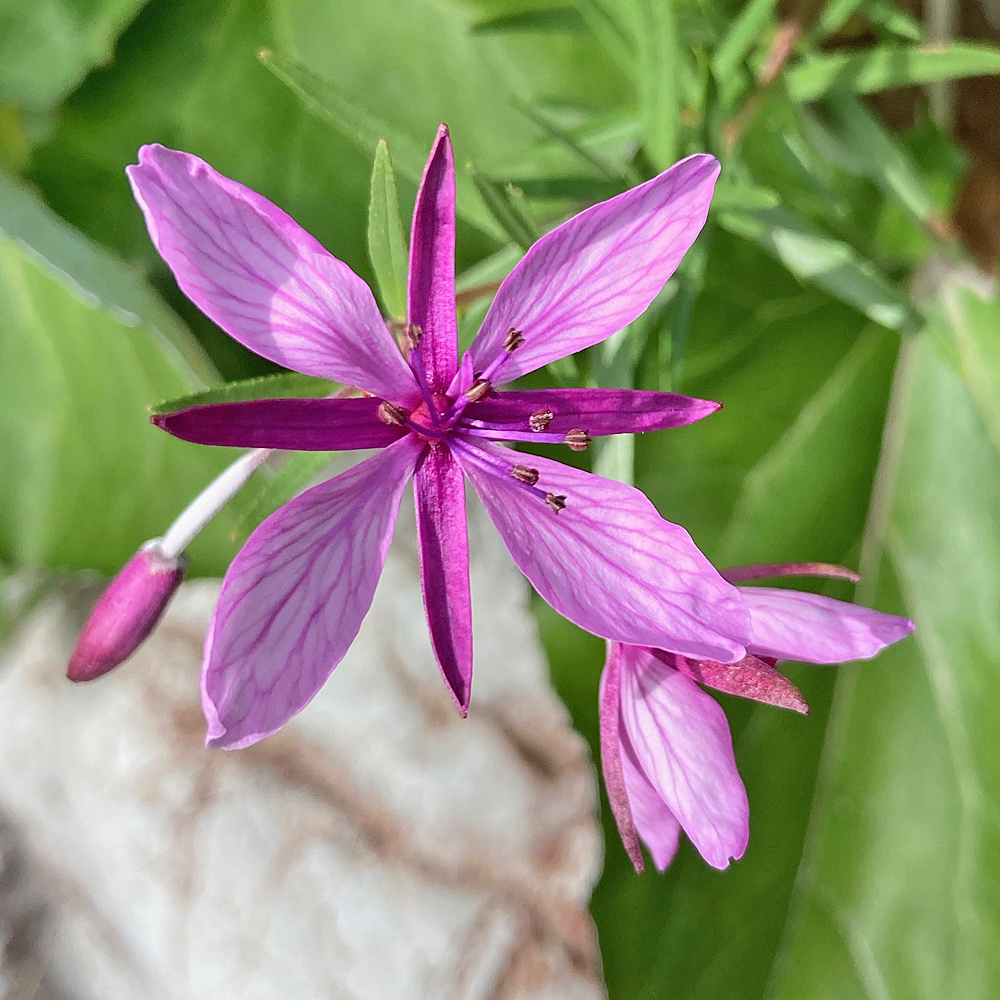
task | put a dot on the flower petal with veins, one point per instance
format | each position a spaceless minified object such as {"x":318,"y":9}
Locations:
{"x":610,"y":563}
{"x":594,"y":274}
{"x":294,"y":597}
{"x":797,"y":625}
{"x":269,"y":284}
{"x":678,"y":738}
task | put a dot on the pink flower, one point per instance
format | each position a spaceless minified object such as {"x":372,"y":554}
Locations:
{"x":596,"y":550}
{"x":666,"y":751}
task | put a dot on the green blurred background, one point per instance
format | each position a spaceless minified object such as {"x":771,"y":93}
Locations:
{"x":835,"y":303}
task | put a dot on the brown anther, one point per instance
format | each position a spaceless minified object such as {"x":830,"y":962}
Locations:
{"x":540,"y":420}
{"x":412,"y":332}
{"x":513,"y":340}
{"x":525,"y":475}
{"x":577,"y":439}
{"x":479,"y":389}
{"x":390,"y":413}
{"x":555,"y":502}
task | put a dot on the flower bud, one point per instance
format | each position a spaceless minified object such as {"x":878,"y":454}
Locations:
{"x":126,"y":612}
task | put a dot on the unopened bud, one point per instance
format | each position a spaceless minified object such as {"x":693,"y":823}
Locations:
{"x":126,"y":612}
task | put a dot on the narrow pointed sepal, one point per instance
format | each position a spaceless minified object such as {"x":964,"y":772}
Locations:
{"x":126,"y":613}
{"x":439,"y":492}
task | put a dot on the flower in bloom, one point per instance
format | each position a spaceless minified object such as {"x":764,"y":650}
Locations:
{"x":126,"y":612}
{"x":666,"y":751}
{"x":596,"y":550}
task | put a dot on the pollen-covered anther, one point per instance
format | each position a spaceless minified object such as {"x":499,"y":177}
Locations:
{"x":524,"y":474}
{"x":390,"y":413}
{"x":479,"y":389}
{"x":557,"y":503}
{"x":412,"y":333}
{"x":540,"y":420}
{"x":513,"y":340}
{"x":577,"y":439}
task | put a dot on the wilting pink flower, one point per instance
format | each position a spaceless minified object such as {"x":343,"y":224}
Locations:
{"x":126,"y":612}
{"x":596,"y":550}
{"x":666,"y":751}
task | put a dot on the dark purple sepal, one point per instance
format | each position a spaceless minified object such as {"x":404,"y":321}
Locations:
{"x":125,"y":613}
{"x":287,"y":424}
{"x":597,"y":411}
{"x":752,"y":677}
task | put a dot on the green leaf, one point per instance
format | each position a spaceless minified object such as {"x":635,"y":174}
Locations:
{"x":886,"y":15}
{"x":743,"y":34}
{"x":881,"y":156}
{"x":610,"y":31}
{"x":333,"y":105}
{"x":271,"y":488}
{"x":48,"y":46}
{"x":84,"y":348}
{"x":822,"y":260}
{"x":966,"y":318}
{"x":833,"y":16}
{"x":903,"y":841}
{"x":867,"y":71}
{"x":387,"y":245}
{"x":560,"y":19}
{"x":285,"y":385}
{"x":660,"y":58}
{"x":590,"y":189}
{"x":503,"y":206}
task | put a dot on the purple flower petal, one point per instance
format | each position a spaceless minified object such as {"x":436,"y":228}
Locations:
{"x":600,"y":270}
{"x":290,"y":424}
{"x":678,"y":738}
{"x":597,"y":411}
{"x":253,"y":270}
{"x":795,"y":625}
{"x":750,"y":677}
{"x":295,"y":596}
{"x":431,"y":292}
{"x":609,"y":707}
{"x":439,"y":490}
{"x":608,"y":561}
{"x":658,"y":827}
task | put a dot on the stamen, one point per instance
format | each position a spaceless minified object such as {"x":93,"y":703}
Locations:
{"x":513,"y":340}
{"x":525,"y":475}
{"x":479,"y":389}
{"x":540,"y":420}
{"x":557,"y":503}
{"x":413,"y":333}
{"x":497,"y":466}
{"x":578,"y":439}
{"x":390,"y":413}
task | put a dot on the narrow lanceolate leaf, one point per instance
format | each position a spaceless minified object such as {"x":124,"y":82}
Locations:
{"x":589,"y":189}
{"x":503,"y":206}
{"x":271,"y":488}
{"x":969,"y":322}
{"x":868,"y":71}
{"x":741,"y":37}
{"x":823,"y":260}
{"x":886,"y":15}
{"x":909,"y":786}
{"x":610,"y":31}
{"x":84,"y":348}
{"x":881,"y":156}
{"x":545,"y":19}
{"x":387,"y":246}
{"x":834,"y":16}
{"x":331,"y":104}
{"x":659,"y":64}
{"x":284,"y":385}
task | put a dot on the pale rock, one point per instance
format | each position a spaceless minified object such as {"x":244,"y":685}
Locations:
{"x":379,"y":847}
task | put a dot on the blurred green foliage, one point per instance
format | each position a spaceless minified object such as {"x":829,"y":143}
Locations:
{"x":861,"y":425}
